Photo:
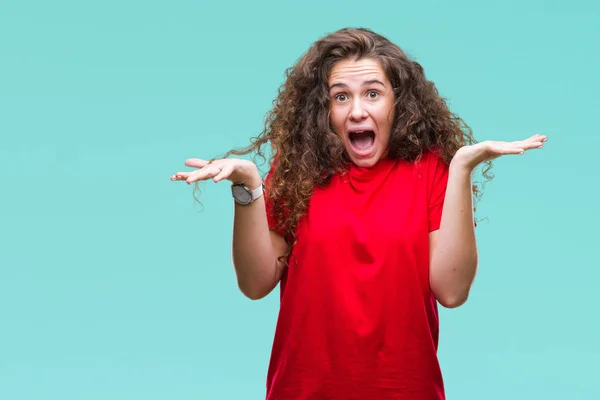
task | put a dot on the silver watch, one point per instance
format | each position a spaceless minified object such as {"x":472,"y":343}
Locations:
{"x":243,"y":195}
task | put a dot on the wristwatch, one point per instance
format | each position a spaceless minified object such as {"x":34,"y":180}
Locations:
{"x":243,"y":195}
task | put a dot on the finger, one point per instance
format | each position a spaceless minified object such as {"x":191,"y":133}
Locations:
{"x":514,"y":150}
{"x":531,"y":145}
{"x":534,"y":142}
{"x":537,"y":143}
{"x":224,"y":174}
{"x":507,"y":148}
{"x":180,"y":176}
{"x":205,"y":173}
{"x":537,"y":138}
{"x":542,"y":138}
{"x":196,"y":162}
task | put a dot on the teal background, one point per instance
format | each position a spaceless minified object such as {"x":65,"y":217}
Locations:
{"x":114,"y":284}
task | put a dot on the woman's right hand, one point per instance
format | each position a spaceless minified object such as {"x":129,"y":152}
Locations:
{"x":234,"y":169}
{"x":255,"y":248}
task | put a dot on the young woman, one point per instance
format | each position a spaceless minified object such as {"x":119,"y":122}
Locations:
{"x":366,"y":221}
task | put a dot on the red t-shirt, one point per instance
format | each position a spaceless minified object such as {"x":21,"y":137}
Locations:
{"x":357,"y":317}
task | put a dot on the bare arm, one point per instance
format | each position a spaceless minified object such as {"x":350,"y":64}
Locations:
{"x":453,"y":246}
{"x":453,"y":249}
{"x":255,"y":248}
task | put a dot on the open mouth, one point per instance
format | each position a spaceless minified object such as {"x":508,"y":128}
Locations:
{"x":362,"y":141}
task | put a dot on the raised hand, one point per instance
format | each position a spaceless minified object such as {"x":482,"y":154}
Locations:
{"x":233,"y":169}
{"x":471,"y":156}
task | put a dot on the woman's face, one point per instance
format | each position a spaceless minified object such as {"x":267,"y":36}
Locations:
{"x":361,"y":109}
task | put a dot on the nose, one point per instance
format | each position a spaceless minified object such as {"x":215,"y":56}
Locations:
{"x":358,"y":111}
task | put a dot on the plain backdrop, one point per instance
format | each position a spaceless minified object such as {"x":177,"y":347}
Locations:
{"x":116,"y":284}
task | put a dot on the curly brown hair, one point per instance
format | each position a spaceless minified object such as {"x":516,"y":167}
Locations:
{"x":305,"y":149}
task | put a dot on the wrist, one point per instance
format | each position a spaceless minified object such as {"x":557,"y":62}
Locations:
{"x":461,"y":163}
{"x":460,"y":166}
{"x":249,"y":187}
{"x":248,"y":176}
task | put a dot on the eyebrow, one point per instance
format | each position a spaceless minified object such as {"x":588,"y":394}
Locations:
{"x":365,"y":83}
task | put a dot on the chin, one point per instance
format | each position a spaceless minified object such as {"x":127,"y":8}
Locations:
{"x":365,"y":163}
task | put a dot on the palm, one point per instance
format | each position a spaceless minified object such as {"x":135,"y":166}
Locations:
{"x":475,"y":154}
{"x":235,"y":170}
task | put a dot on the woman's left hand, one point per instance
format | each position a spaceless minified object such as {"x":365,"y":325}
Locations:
{"x":470,"y":157}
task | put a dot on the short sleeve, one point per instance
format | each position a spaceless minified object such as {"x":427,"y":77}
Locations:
{"x":276,"y":223}
{"x":437,"y":180}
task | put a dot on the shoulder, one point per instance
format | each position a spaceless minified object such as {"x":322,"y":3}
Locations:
{"x":431,"y":171}
{"x":428,"y":163}
{"x":432,"y":163}
{"x":431,"y":157}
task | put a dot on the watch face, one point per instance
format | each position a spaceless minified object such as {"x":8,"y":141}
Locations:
{"x":241,"y":194}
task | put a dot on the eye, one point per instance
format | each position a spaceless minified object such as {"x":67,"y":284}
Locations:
{"x":373,"y":94}
{"x":341,"y":97}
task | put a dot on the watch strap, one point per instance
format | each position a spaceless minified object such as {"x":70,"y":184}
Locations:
{"x":256,"y":193}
